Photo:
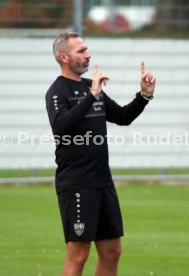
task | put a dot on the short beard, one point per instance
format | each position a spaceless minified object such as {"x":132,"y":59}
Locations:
{"x":77,"y":69}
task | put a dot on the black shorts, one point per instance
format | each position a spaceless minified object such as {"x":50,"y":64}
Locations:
{"x":91,"y":214}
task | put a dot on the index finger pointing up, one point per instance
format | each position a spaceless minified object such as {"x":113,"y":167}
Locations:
{"x":95,"y":69}
{"x":142,"y":68}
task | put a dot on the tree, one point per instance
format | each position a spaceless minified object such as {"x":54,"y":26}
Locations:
{"x":172,"y":13}
{"x":35,"y":13}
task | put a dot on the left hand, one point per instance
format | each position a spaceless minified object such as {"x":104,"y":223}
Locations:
{"x":99,"y":78}
{"x":148,"y":81}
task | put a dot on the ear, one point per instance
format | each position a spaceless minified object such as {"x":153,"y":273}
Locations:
{"x":64,"y":58}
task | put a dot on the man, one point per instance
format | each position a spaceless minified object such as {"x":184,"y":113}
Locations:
{"x":78,"y":110}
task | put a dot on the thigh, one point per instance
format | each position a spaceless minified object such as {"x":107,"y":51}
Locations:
{"x":75,"y":248}
{"x":110,"y":224}
{"x":80,"y":213}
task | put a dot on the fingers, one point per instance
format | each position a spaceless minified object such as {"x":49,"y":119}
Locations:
{"x":104,"y":82}
{"x":153,"y":80}
{"x":148,"y":81}
{"x":100,"y":75}
{"x":142,"y":68}
{"x":99,"y":78}
{"x":95,"y":71}
{"x":148,"y":77}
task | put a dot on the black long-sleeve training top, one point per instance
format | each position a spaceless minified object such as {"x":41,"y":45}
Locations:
{"x":78,"y":122}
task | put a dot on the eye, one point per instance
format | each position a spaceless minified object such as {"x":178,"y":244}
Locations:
{"x":82,"y":51}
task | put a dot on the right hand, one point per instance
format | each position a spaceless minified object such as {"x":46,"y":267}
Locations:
{"x":99,"y":78}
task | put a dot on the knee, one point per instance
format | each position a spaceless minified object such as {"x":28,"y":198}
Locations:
{"x":112,"y":254}
{"x":115,"y":253}
{"x":80,"y":258}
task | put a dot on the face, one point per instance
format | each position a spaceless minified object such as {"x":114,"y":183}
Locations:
{"x":78,"y":56}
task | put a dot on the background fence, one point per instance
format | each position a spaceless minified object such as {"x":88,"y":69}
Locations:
{"x":94,"y":16}
{"x":158,"y":138}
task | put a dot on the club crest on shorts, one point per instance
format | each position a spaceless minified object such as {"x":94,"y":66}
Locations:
{"x":79,"y":228}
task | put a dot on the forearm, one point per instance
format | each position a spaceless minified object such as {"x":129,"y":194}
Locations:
{"x":125,"y":115}
{"x":131,"y":111}
{"x":69,"y":118}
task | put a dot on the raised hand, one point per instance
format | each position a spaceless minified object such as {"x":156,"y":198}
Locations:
{"x":99,"y":78}
{"x":147,"y":82}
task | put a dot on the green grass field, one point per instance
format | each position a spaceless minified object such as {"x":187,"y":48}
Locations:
{"x":7,"y":173}
{"x":156,"y":222}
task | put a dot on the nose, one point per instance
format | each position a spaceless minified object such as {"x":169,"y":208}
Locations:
{"x":87,"y":54}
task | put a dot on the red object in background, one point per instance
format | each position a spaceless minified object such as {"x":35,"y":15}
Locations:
{"x":119,"y":24}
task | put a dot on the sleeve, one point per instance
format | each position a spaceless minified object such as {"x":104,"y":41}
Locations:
{"x":61,"y":116}
{"x":124,"y":115}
